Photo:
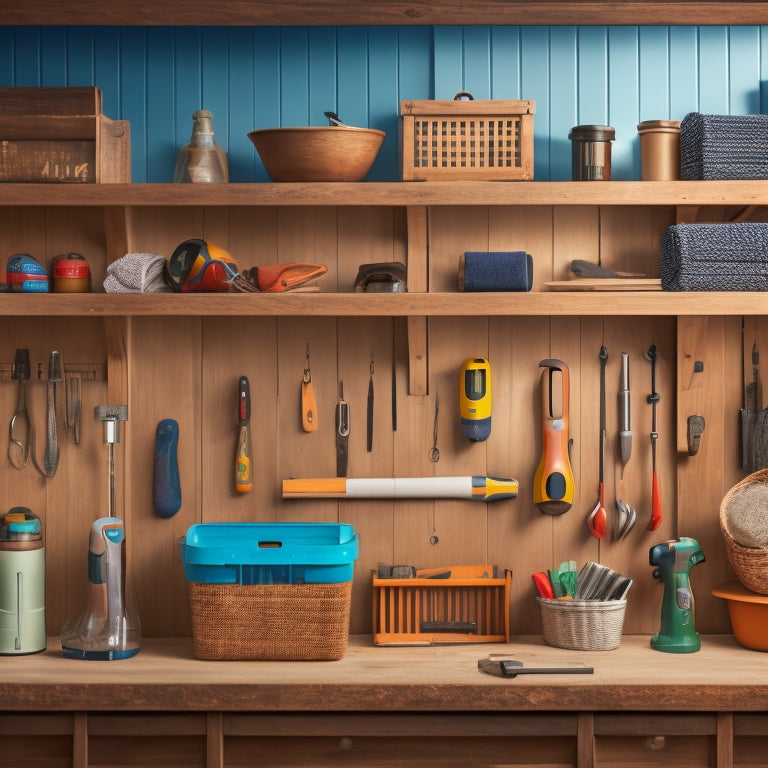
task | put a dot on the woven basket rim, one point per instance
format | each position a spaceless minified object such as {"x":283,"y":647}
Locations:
{"x":756,"y":478}
{"x":595,"y":605}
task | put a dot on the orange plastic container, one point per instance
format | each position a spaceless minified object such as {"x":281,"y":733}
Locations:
{"x":423,"y":611}
{"x":749,"y":614}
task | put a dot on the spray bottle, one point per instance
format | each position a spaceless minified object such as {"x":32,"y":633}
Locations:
{"x":109,"y":627}
{"x":674,"y":560}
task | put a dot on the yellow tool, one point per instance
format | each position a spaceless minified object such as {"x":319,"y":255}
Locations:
{"x":553,"y":481}
{"x":475,"y":399}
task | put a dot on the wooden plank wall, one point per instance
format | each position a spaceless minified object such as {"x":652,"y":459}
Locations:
{"x":187,"y":368}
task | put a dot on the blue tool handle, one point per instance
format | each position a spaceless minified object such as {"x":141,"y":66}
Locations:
{"x":166,"y":487}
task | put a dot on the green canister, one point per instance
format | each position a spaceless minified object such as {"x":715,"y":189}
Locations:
{"x":22,"y":583}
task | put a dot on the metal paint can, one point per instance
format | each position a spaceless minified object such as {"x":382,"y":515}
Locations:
{"x":591,"y":152}
{"x":659,"y":150}
{"x":70,"y":274}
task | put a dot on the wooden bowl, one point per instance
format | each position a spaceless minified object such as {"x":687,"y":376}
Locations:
{"x":329,"y":153}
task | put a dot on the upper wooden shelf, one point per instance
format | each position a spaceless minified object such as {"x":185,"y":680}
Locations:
{"x":645,"y":193}
{"x":536,"y":303}
{"x":378,"y":12}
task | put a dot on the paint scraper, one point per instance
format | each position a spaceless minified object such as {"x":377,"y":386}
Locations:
{"x":513,"y":668}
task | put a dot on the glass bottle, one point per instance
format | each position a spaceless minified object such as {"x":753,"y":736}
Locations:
{"x":202,"y":160}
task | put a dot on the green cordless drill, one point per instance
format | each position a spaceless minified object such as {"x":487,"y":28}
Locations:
{"x":674,"y":560}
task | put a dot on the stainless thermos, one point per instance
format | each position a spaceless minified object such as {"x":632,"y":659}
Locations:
{"x":591,"y":152}
{"x":22,"y":583}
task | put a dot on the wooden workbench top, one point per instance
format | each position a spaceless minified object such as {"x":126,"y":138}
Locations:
{"x":166,"y":676}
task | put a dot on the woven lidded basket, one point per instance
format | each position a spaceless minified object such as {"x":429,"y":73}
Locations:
{"x":750,"y":563}
{"x":582,"y":625}
{"x":717,"y":147}
{"x":275,"y":622}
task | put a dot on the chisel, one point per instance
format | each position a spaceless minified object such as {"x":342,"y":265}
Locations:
{"x":513,"y":668}
{"x":243,"y":469}
{"x":471,"y":488}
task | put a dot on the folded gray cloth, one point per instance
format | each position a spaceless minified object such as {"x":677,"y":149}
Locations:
{"x":136,"y":273}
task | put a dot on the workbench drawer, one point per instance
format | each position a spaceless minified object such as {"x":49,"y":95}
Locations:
{"x":655,"y":740}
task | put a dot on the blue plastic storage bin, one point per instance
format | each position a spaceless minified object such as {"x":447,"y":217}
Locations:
{"x":269,"y":553}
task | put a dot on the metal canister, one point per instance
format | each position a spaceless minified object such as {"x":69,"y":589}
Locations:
{"x":659,"y":150}
{"x":70,"y":274}
{"x":591,"y":152}
{"x":22,"y":583}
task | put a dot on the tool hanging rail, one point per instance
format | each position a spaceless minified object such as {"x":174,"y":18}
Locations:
{"x":86,"y":371}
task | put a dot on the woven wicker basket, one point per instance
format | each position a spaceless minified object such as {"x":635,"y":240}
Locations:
{"x":750,"y":564}
{"x":276,"y":622}
{"x":582,"y":625}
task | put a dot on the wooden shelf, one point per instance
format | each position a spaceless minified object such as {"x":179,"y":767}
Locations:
{"x":165,"y":675}
{"x":544,"y":303}
{"x":376,"y":12}
{"x":466,"y":193}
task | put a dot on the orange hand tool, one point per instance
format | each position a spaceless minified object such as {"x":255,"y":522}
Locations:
{"x":553,"y":481}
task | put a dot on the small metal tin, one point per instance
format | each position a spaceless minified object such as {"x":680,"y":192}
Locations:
{"x":659,"y":150}
{"x":591,"y":152}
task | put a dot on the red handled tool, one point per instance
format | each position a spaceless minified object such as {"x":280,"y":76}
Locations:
{"x":543,"y":585}
{"x":597,"y":521}
{"x":243,"y":469}
{"x":653,"y":399}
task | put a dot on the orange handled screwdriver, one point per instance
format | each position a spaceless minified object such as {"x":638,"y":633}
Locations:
{"x":243,"y":470}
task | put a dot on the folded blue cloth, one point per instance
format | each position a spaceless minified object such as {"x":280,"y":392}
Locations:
{"x":496,"y":271}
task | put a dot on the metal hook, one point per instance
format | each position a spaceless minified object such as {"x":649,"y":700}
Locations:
{"x":307,"y":372}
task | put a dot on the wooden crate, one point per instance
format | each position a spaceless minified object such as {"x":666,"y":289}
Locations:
{"x":422,"y":611}
{"x":468,"y":140}
{"x":60,"y":135}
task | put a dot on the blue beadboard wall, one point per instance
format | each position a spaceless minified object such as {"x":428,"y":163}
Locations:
{"x":256,"y":77}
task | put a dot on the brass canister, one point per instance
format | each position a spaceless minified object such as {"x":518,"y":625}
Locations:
{"x":591,"y":152}
{"x":659,"y":150}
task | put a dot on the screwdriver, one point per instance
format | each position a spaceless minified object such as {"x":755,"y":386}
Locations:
{"x":243,"y":470}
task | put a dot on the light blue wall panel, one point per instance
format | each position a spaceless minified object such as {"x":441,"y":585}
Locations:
{"x":505,"y":63}
{"x":744,"y":70}
{"x":448,"y":62}
{"x":160,"y":150}
{"x":625,"y":82}
{"x":133,"y":99}
{"x":592,"y":76}
{"x":352,"y":77}
{"x":106,"y":71}
{"x":535,"y":83}
{"x":713,"y":70}
{"x":257,"y":77}
{"x":383,"y":92}
{"x":241,"y":92}
{"x":683,"y":73}
{"x":563,"y":106}
{"x":477,"y":62}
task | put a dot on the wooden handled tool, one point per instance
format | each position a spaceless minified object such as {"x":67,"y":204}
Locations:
{"x":243,"y":469}
{"x":309,"y":420}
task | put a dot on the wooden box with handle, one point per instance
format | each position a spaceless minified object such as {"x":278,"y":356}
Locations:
{"x":60,"y":135}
